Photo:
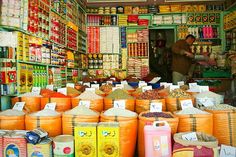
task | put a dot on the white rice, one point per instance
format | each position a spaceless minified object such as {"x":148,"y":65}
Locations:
{"x":88,"y":95}
{"x":11,"y":112}
{"x":44,"y":113}
{"x":120,"y":112}
{"x":81,"y":110}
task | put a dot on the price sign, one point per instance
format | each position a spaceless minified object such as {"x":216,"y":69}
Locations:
{"x":168,"y":85}
{"x":180,"y":83}
{"x":163,"y":83}
{"x":144,"y":89}
{"x":124,"y":82}
{"x":172,"y":87}
{"x":62,"y":90}
{"x":140,"y":85}
{"x":115,"y":88}
{"x":95,"y":86}
{"x":19,"y":106}
{"x":120,"y":86}
{"x":36,"y":90}
{"x":192,"y":85}
{"x":227,"y":151}
{"x":90,"y":89}
{"x":204,"y":88}
{"x":95,"y":81}
{"x":156,"y":107}
{"x":119,"y":104}
{"x":50,"y":106}
{"x":50,"y":87}
{"x":109,"y":82}
{"x":155,"y":80}
{"x":87,"y":84}
{"x":190,"y":136}
{"x":72,"y":85}
{"x":206,"y":101}
{"x":85,"y":103}
{"x":186,"y":104}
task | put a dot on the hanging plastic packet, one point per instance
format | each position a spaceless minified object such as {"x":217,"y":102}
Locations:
{"x":36,"y":136}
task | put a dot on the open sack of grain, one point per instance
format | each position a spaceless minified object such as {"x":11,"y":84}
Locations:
{"x":32,"y":101}
{"x":96,"y":101}
{"x":173,"y":101}
{"x":206,"y":145}
{"x":144,"y":100}
{"x":47,"y":119}
{"x":224,"y":123}
{"x":119,"y":94}
{"x":79,"y":114}
{"x":193,"y":119}
{"x":215,"y":98}
{"x":147,"y":118}
{"x":128,"y":128}
{"x":12,"y":119}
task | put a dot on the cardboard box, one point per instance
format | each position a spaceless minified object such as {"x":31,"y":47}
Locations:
{"x":108,"y":135}
{"x":29,"y":80}
{"x":85,"y":140}
{"x":22,"y":77}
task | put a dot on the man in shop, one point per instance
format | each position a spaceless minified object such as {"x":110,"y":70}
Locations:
{"x":183,"y":58}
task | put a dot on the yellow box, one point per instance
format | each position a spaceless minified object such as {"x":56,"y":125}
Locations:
{"x":44,"y":148}
{"x":108,"y":134}
{"x":29,"y":80}
{"x":86,"y":140}
{"x":22,"y":77}
{"x":26,"y":48}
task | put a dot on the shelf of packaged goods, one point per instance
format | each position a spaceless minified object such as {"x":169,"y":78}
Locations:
{"x":139,"y":57}
{"x":104,"y":69}
{"x":82,"y":52}
{"x":169,"y":13}
{"x":110,"y":53}
{"x":137,"y":42}
{"x":71,"y":49}
{"x":11,"y":28}
{"x":54,"y":11}
{"x":82,"y":8}
{"x":163,"y":25}
{"x":102,"y":26}
{"x":34,"y":63}
{"x":101,"y":14}
{"x":58,"y":44}
{"x":83,"y":68}
{"x":83,"y":32}
{"x":51,"y":65}
{"x":11,"y":95}
{"x":210,"y":24}
{"x":138,"y":27}
{"x":230,"y":29}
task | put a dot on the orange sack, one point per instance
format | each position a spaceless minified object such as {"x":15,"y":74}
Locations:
{"x":144,"y":105}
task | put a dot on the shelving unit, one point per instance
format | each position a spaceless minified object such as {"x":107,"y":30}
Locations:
{"x":57,"y":22}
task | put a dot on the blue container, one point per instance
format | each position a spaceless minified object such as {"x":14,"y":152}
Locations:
{"x":133,"y":84}
{"x":154,"y":85}
{"x":5,"y":102}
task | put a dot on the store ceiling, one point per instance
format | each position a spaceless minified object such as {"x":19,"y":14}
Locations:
{"x":144,"y":2}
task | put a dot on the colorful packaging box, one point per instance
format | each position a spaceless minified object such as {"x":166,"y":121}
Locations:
{"x":205,"y":18}
{"x":29,"y":80}
{"x":85,"y":139}
{"x":108,"y":136}
{"x":191,"y":19}
{"x":22,"y":77}
{"x":44,"y":148}
{"x":198,"y":18}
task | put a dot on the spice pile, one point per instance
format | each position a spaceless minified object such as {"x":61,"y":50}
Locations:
{"x":81,"y":110}
{"x":120,"y":112}
{"x":157,"y":114}
{"x":179,"y":93}
{"x":88,"y":95}
{"x":150,"y":95}
{"x":119,"y":94}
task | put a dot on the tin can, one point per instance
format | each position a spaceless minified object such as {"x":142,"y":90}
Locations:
{"x":14,"y":143}
{"x":63,"y":145}
{"x":44,"y":148}
{"x":2,"y":133}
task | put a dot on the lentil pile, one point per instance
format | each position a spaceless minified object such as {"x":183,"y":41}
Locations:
{"x":221,"y":107}
{"x":106,"y":88}
{"x":150,"y":95}
{"x":88,"y":95}
{"x":81,"y":110}
{"x":120,"y":112}
{"x":72,"y":91}
{"x":179,"y":93}
{"x":191,"y":110}
{"x":156,"y":114}
{"x":97,"y":91}
{"x":119,"y":94}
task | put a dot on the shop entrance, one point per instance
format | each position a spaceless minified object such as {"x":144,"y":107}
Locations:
{"x":160,"y":42}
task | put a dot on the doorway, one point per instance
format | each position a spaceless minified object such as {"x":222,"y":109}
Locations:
{"x":160,"y":42}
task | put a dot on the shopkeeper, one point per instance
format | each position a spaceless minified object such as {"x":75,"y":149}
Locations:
{"x":183,"y":59}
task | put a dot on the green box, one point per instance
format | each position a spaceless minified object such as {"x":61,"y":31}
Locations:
{"x":205,"y":18}
{"x":198,"y":18}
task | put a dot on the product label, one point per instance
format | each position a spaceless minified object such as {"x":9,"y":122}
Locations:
{"x":50,"y":106}
{"x":192,"y":85}
{"x":156,"y":107}
{"x":206,"y":101}
{"x":50,"y":87}
{"x":36,"y":90}
{"x":124,"y":82}
{"x":186,"y":104}
{"x":19,"y":106}
{"x":164,"y":146}
{"x":190,"y":136}
{"x":204,"y":88}
{"x":180,"y":83}
{"x":227,"y":151}
{"x":145,"y":88}
{"x":172,"y":87}
{"x":119,"y":104}
{"x":13,"y":149}
{"x":72,"y":85}
{"x":62,"y":90}
{"x":120,"y":86}
{"x":85,"y":103}
{"x":109,"y":82}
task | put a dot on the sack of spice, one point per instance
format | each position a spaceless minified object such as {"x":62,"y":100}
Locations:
{"x":205,"y":145}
